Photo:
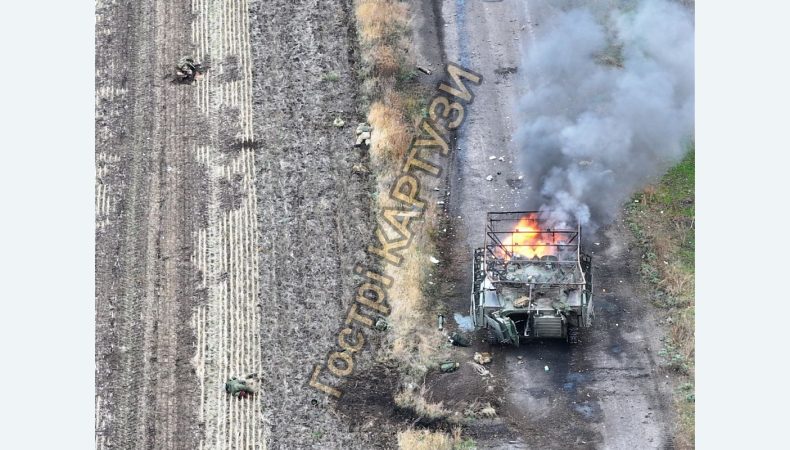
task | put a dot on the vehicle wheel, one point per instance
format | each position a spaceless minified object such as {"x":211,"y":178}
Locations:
{"x":490,"y":337}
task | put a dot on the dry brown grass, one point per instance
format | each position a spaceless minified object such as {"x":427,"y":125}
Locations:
{"x":391,"y":133}
{"x":676,"y":281}
{"x":414,"y":400}
{"x":383,"y":37}
{"x":379,"y":20}
{"x":412,"y":342}
{"x":386,"y":62}
{"x":411,"y":439}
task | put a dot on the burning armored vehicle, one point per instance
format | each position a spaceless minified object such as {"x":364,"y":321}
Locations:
{"x":531,"y":279}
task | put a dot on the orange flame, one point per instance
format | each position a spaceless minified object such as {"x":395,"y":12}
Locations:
{"x":527,"y":242}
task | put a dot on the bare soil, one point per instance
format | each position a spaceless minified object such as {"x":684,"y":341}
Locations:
{"x":228,"y":223}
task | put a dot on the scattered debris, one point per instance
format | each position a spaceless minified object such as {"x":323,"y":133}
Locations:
{"x":187,"y":71}
{"x":482,"y":371}
{"x":449,"y":366}
{"x":491,"y":158}
{"x":545,"y":368}
{"x":381,"y":324}
{"x":502,"y":158}
{"x":489,"y":178}
{"x":441,"y":321}
{"x":523,"y":301}
{"x":364,"y":132}
{"x":506,"y":70}
{"x":360,"y":169}
{"x":488,"y":412}
{"x":340,"y":123}
{"x":424,"y":70}
{"x":482,"y":358}
{"x":434,"y":260}
{"x":459,"y":339}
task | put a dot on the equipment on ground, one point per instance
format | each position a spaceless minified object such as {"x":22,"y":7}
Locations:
{"x":238,"y":388}
{"x":187,"y":70}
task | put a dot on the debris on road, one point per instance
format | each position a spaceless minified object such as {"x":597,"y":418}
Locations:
{"x":449,"y":366}
{"x":424,"y":70}
{"x":492,"y":157}
{"x":482,"y":358}
{"x":364,"y":132}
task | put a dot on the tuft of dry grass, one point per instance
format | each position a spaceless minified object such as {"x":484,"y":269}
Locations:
{"x":391,"y":133}
{"x":386,"y":62}
{"x":413,"y":439}
{"x":380,"y":20}
{"x":412,"y":343}
{"x":414,"y":400}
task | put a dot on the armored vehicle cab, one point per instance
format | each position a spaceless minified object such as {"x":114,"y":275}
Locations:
{"x":531,"y":279}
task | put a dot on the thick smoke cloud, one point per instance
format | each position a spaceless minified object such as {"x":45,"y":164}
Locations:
{"x":610,"y":107}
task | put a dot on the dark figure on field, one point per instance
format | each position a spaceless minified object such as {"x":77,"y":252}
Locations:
{"x":238,"y":388}
{"x":187,"y":71}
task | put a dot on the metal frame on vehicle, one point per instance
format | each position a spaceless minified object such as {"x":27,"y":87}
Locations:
{"x":500,"y":251}
{"x":497,"y":255}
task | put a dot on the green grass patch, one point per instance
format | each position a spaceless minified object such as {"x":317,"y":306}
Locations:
{"x":662,"y":219}
{"x":331,"y":76}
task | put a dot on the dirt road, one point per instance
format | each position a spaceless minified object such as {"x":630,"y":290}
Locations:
{"x":221,"y":248}
{"x":608,"y":391}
